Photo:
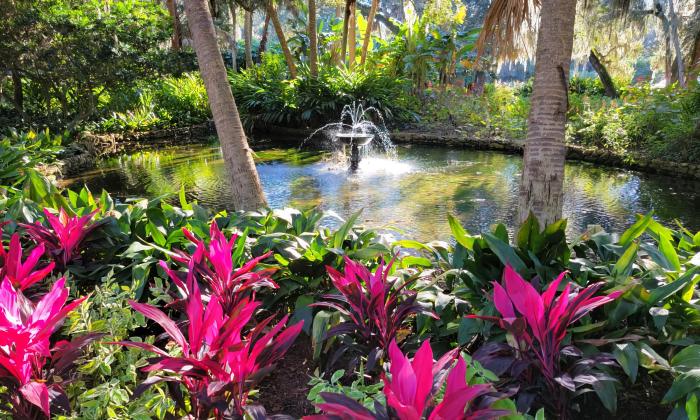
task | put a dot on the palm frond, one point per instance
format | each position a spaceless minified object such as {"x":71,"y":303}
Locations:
{"x":505,"y":26}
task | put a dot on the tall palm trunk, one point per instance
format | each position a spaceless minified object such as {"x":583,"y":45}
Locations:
{"x":676,"y":43}
{"x":176,"y":37}
{"x":313,"y":40}
{"x":346,"y":26}
{"x":352,"y":35}
{"x":233,"y":40}
{"x":248,"y":38}
{"x":247,"y":191}
{"x":336,"y":46}
{"x":368,"y":31}
{"x":263,"y":39}
{"x":542,"y":182}
{"x":282,"y":40}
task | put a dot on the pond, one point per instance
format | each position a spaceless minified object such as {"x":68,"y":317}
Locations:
{"x":412,"y":194}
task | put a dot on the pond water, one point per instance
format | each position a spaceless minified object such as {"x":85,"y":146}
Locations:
{"x":413,"y":194}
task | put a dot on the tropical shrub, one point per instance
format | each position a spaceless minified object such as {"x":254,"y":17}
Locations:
{"x":219,"y":365}
{"x":374,"y":307}
{"x":538,"y":327}
{"x":64,"y":238}
{"x":35,"y":373}
{"x":22,"y":274}
{"x":214,"y":266}
{"x":412,"y":390}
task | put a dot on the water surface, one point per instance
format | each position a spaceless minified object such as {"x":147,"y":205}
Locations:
{"x":413,"y":194}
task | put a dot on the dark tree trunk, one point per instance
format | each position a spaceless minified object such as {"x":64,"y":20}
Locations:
{"x":479,"y":83}
{"x":263,"y":39}
{"x":603,"y":74}
{"x":176,"y":38}
{"x":18,"y":93}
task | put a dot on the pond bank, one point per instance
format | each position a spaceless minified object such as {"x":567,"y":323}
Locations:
{"x":89,"y":148}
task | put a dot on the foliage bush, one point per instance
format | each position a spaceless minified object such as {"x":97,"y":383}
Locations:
{"x":265,"y":96}
{"x":652,"y":326}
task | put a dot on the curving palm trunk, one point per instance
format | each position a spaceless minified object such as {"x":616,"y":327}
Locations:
{"x":368,"y":31}
{"x":352,"y":34}
{"x":247,"y":191}
{"x":542,"y":182}
{"x":263,"y":39}
{"x":176,"y":38}
{"x":313,"y":40}
{"x":282,"y":40}
{"x":676,"y":43}
{"x":233,"y":39}
{"x":248,"y":38}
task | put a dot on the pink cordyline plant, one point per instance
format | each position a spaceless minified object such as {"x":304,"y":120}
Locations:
{"x":412,"y":389}
{"x":25,"y":332}
{"x":213,"y":265}
{"x":538,"y":324}
{"x":219,"y":364}
{"x":21,"y":274}
{"x":65,"y":235}
{"x":375,"y":307}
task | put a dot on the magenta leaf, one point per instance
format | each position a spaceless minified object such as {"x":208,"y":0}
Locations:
{"x":38,"y":394}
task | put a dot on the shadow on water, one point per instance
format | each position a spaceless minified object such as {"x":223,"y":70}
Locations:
{"x":413,"y":193}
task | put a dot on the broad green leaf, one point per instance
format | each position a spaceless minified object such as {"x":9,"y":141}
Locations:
{"x":343,"y":231}
{"x":320,"y":325}
{"x":460,"y":234}
{"x":662,"y":293}
{"x":684,"y":384}
{"x":505,"y":252}
{"x":607,"y":393}
{"x":623,"y":266}
{"x":687,"y":359}
{"x":626,"y":356}
{"x":669,"y":252}
{"x":635,"y":230}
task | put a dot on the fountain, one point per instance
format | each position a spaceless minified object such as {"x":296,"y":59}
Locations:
{"x":357,"y":131}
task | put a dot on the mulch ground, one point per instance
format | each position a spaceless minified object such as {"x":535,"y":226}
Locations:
{"x":638,"y":401}
{"x":284,"y":390}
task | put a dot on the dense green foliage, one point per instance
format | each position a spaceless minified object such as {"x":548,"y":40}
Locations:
{"x":651,"y":329}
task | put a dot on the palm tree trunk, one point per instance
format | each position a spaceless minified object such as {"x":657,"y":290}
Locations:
{"x":368,"y":30}
{"x":605,"y":79}
{"x":352,"y":35}
{"x":346,"y":26}
{"x":542,"y":182}
{"x":337,"y":48}
{"x":676,"y":43}
{"x":248,"y":38}
{"x":282,"y":40}
{"x":233,"y":40}
{"x":247,"y":191}
{"x":263,"y":39}
{"x":313,"y":40}
{"x":176,"y":38}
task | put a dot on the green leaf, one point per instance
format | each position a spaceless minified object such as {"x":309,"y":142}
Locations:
{"x":684,"y":384}
{"x":320,"y":325}
{"x":635,"y":230}
{"x":687,"y":359}
{"x":623,"y":266}
{"x":461,"y":235}
{"x":343,"y":231}
{"x":626,"y":356}
{"x":669,"y":253}
{"x":505,"y":252}
{"x":662,"y":293}
{"x":607,"y":394}
{"x":303,"y":312}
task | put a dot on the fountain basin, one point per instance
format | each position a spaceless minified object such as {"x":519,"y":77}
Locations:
{"x":357,"y":139}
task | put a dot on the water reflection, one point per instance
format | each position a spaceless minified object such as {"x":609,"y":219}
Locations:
{"x":413,"y":194}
